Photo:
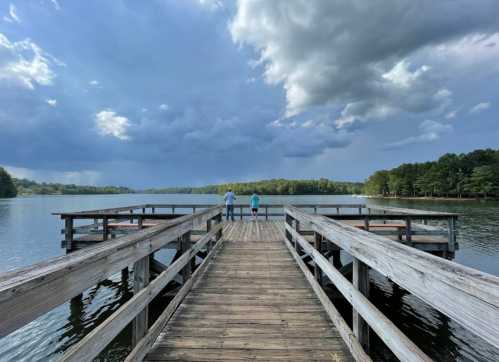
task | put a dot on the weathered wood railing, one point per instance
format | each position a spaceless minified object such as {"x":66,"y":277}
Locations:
{"x":30,"y":292}
{"x":468,"y":296}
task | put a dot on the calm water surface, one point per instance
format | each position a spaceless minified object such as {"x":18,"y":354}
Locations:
{"x":29,"y":234}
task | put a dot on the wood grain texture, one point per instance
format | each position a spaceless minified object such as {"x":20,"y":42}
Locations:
{"x":466,"y":295}
{"x":253,"y":303}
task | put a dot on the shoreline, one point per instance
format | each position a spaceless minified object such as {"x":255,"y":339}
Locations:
{"x":428,"y":198}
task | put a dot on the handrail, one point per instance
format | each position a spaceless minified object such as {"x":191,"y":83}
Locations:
{"x":466,"y":295}
{"x":94,"y":342}
{"x":398,"y":342}
{"x":29,"y":292}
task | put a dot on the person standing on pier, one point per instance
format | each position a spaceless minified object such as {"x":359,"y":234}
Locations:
{"x":254,"y":204}
{"x":229,"y":203}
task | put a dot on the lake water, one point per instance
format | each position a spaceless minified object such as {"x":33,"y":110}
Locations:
{"x":29,"y":233}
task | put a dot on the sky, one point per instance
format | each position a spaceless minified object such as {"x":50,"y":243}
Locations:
{"x":163,"y":93}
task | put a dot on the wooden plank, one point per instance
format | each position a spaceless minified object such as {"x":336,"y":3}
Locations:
{"x":466,"y":295}
{"x":360,"y":281}
{"x":344,"y":330}
{"x":140,"y":281}
{"x":398,"y":343}
{"x":94,"y":342}
{"x":256,"y":310}
{"x":28,"y":292}
{"x":139,"y":352}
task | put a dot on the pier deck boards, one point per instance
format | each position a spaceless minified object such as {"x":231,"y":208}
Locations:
{"x":253,"y":303}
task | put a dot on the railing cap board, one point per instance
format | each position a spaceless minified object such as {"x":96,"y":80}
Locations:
{"x":400,"y":210}
{"x":469,"y":296}
{"x":44,"y":282}
{"x":108,"y":210}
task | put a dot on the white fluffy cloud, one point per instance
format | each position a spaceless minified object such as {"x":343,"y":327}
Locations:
{"x":362,"y":57}
{"x":164,"y":107}
{"x":52,"y":102}
{"x":12,"y":17}
{"x":430,"y":131}
{"x":109,"y":123}
{"x":25,"y":64}
{"x":480,"y":107}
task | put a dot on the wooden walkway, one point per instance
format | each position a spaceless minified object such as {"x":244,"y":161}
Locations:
{"x":252,"y":304}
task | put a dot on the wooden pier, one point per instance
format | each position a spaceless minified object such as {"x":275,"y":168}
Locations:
{"x":252,"y":290}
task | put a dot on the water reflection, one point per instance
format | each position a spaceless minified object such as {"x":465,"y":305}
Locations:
{"x":89,"y":310}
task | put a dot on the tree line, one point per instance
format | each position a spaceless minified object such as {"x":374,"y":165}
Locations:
{"x":28,"y":187}
{"x":474,"y":174}
{"x":321,"y":186}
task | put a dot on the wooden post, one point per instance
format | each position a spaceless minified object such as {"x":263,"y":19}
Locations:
{"x":338,"y":210}
{"x":153,"y":210}
{"x":360,"y":210}
{"x":140,"y":281}
{"x":185,"y":245}
{"x":140,"y":222}
{"x":315,"y":209}
{"x":131,"y":218}
{"x":68,"y":233}
{"x":361,"y":283}
{"x":194,"y":210}
{"x":366,"y":223}
{"x":208,"y":229}
{"x":266,"y":212}
{"x":318,"y":246}
{"x":173,"y":210}
{"x":241,"y":212}
{"x":408,"y":230}
{"x":289,"y":221}
{"x":297,"y":228}
{"x":452,"y":233}
{"x":105,"y":228}
{"x":219,"y":219}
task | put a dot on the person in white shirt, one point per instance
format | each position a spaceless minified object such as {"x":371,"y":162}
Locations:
{"x":229,"y":203}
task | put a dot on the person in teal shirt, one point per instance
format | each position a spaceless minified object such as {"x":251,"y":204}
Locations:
{"x":254,"y":204}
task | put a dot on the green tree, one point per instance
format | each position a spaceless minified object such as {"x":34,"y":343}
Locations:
{"x":7,"y":187}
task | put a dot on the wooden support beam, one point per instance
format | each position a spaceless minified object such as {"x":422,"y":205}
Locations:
{"x":452,"y":233}
{"x":408,"y":230}
{"x":140,"y":281}
{"x":105,"y":228}
{"x":68,"y":233}
{"x":361,"y":283}
{"x":317,"y":270}
{"x":185,"y":245}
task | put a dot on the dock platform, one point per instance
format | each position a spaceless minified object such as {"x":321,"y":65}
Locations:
{"x":253,"y":303}
{"x":254,"y":290}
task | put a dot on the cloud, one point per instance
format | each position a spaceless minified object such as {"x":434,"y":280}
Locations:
{"x":347,"y":55}
{"x":164,"y":107}
{"x":12,"y":17}
{"x":480,"y":107}
{"x":111,"y":124}
{"x":94,"y":83}
{"x":211,"y":5}
{"x":52,"y":102}
{"x":25,"y":64}
{"x":451,"y":114}
{"x":56,"y":4}
{"x":430,"y":131}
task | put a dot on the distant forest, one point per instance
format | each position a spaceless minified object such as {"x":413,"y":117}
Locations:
{"x":271,"y":187}
{"x":28,"y":187}
{"x":474,"y":174}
